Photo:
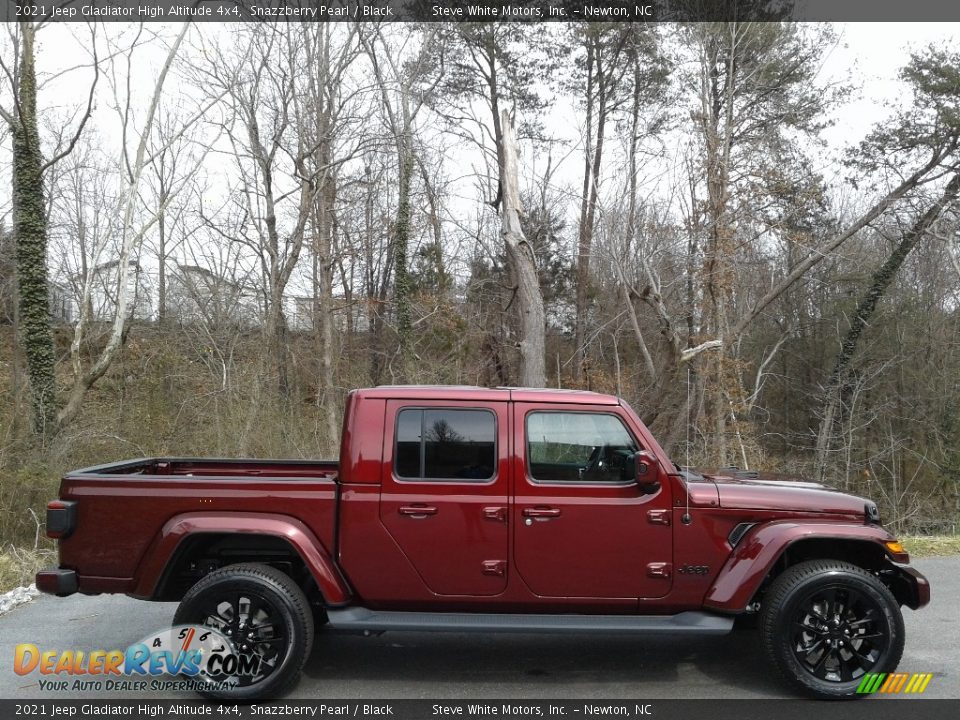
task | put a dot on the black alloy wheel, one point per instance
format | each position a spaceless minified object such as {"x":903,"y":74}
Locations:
{"x":838,"y":634}
{"x":266,"y":616}
{"x":827,"y":623}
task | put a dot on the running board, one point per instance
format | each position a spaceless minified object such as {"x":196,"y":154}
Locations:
{"x":694,"y":623}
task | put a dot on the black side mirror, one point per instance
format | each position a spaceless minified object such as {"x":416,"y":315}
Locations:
{"x":645,"y":472}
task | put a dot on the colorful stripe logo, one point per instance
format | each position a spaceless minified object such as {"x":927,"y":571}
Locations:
{"x":893,"y":683}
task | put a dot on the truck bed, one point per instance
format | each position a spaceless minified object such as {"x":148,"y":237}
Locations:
{"x":226,"y":468}
{"x":124,"y":509}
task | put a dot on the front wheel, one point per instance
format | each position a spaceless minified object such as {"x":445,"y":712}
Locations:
{"x":266,"y":616}
{"x":827,"y":623}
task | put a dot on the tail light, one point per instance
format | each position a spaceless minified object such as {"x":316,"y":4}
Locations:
{"x":61,"y":518}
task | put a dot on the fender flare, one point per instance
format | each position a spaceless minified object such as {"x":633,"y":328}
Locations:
{"x":762,"y":546}
{"x":179,"y":528}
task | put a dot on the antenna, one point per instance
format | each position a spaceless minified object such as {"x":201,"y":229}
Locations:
{"x":686,"y":519}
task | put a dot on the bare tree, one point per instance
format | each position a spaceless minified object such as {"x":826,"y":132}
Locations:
{"x":174,"y":149}
{"x":879,"y":283}
{"x":275,"y":202}
{"x":135,"y":160}
{"x":401,"y":105}
{"x":606,"y":66}
{"x":529,"y":300}
{"x":323,"y":122}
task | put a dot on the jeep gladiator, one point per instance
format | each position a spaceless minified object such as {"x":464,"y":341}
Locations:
{"x":489,"y":510}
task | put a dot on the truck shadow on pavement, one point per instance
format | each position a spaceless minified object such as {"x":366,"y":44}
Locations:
{"x":399,"y":665}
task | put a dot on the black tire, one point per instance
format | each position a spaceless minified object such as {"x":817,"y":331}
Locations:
{"x":747,"y":622}
{"x":826,"y":623}
{"x":267,"y":603}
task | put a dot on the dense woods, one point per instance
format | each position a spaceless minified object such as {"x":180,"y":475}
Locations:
{"x":213,"y":233}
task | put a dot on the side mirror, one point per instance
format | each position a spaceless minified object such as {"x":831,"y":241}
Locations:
{"x":645,"y":469}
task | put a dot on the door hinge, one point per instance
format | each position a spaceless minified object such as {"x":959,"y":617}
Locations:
{"x":658,"y":570}
{"x":497,"y":568}
{"x":658,"y":517}
{"x":497,"y":514}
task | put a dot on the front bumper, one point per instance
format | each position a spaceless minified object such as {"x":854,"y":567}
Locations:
{"x":57,"y":581}
{"x":911,"y":588}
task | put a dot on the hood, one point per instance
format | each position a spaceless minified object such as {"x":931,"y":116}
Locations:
{"x":744,"y":490}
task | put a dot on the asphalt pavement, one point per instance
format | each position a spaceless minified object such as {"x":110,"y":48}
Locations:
{"x":473,"y":666}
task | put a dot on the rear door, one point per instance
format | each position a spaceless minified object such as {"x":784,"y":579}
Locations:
{"x":444,"y":496}
{"x":582,"y":527}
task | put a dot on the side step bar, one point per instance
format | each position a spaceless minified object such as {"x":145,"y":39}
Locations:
{"x":694,"y":623}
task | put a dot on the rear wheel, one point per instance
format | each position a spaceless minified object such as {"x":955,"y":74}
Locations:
{"x":265,"y":614}
{"x":826,"y":623}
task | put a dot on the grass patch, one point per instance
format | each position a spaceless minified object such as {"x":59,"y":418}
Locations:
{"x":932,"y":545}
{"x":18,"y":566}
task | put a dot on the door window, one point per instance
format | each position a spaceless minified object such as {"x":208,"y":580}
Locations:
{"x":578,"y":447}
{"x":445,"y":444}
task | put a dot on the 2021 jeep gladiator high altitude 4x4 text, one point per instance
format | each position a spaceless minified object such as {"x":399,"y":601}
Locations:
{"x":470,"y":509}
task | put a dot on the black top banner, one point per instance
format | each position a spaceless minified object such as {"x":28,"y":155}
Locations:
{"x":480,"y":10}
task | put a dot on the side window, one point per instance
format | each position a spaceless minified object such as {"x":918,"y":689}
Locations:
{"x":406,"y":457}
{"x":445,"y":444}
{"x":577,"y":447}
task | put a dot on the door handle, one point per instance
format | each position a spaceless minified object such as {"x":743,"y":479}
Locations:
{"x":498,"y":514}
{"x":417,"y":511}
{"x":543,"y":513}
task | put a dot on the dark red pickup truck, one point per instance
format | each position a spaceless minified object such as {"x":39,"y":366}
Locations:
{"x":469,"y":509}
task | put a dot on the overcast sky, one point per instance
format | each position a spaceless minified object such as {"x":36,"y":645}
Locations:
{"x":874,"y":54}
{"x":868,"y":54}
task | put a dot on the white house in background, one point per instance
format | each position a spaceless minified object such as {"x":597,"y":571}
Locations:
{"x":300,"y":311}
{"x":104,"y":283}
{"x":195,"y":294}
{"x":62,"y":304}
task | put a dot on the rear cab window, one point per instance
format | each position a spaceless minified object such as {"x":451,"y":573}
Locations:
{"x":445,"y":444}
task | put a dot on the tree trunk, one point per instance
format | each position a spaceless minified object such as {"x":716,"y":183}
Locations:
{"x":161,"y":269}
{"x":521,"y":257}
{"x":587,"y":247}
{"x":371,"y":287}
{"x":323,"y":325}
{"x":162,"y":199}
{"x":631,"y":231}
{"x":584,"y":235}
{"x":30,"y":226}
{"x":717,"y":99}
{"x":276,"y":332}
{"x":881,"y":280}
{"x":401,"y":241}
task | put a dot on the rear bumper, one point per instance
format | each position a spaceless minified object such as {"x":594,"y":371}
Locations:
{"x":57,"y":581}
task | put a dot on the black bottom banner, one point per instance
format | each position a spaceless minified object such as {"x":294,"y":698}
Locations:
{"x":875,"y":708}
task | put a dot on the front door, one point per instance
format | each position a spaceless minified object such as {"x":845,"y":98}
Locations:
{"x":582,"y":526}
{"x":444,"y":497}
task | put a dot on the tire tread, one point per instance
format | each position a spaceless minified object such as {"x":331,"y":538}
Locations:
{"x":281,"y":583}
{"x":778,"y":595}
